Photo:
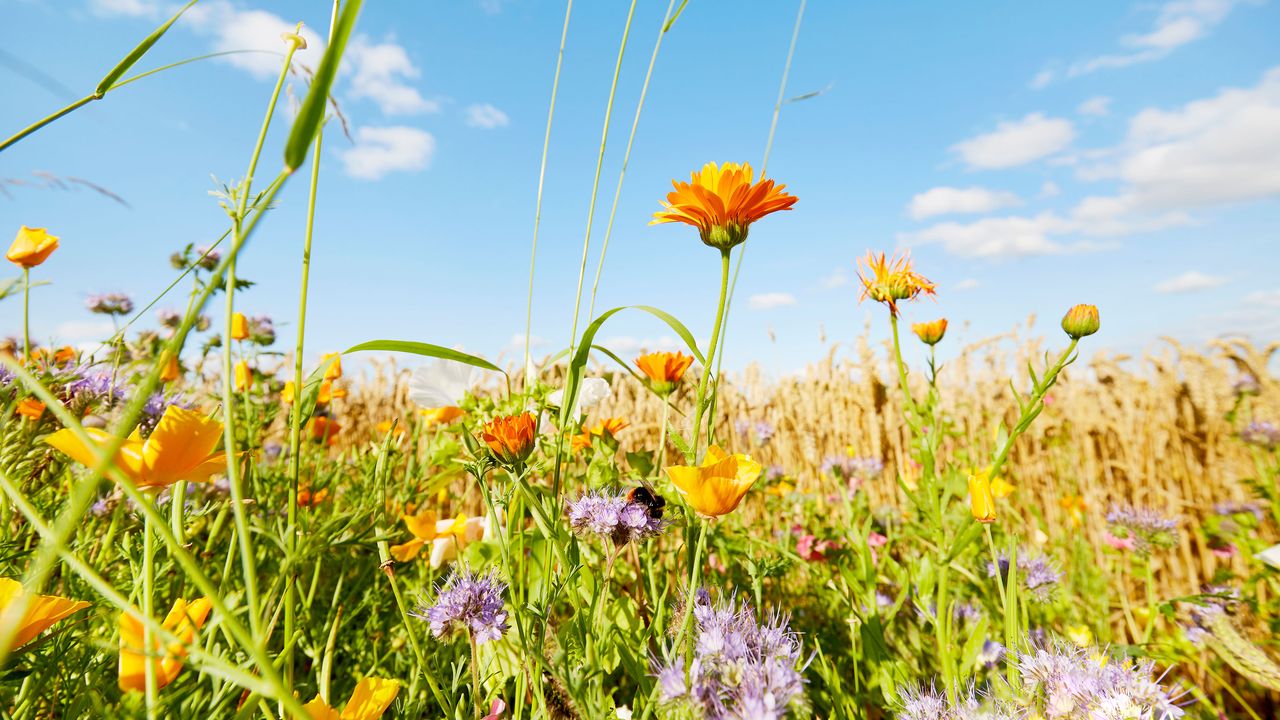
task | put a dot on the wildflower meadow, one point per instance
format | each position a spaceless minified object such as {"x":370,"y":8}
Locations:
{"x":201,"y":520}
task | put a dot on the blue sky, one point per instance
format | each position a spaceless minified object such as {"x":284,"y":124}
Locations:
{"x":1032,"y":155}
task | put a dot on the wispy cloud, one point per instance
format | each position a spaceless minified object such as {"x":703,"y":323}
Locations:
{"x":771,"y":300}
{"x":1016,"y":142}
{"x":1187,"y":282}
{"x":1097,"y":106}
{"x":382,"y":150}
{"x":486,"y":116}
{"x":952,"y":200}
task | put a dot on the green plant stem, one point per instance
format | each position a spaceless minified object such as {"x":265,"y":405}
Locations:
{"x":662,"y":434}
{"x":537,"y":207}
{"x":26,"y":313}
{"x":48,"y":119}
{"x":913,"y":416}
{"x":476,"y":696}
{"x":148,"y":607}
{"x":684,"y":641}
{"x":1032,"y":408}
{"x":247,"y":559}
{"x":1149,"y":575}
{"x":1004,"y":605}
{"x":700,"y":402}
{"x":384,"y":555}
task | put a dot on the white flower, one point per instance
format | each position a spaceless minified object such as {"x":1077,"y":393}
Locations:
{"x":445,"y":549}
{"x":443,"y":383}
{"x":590,"y":393}
{"x":1270,"y":556}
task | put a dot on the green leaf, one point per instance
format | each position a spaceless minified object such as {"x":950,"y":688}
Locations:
{"x":311,"y":114}
{"x":964,"y":540}
{"x":425,"y":350}
{"x":123,"y":66}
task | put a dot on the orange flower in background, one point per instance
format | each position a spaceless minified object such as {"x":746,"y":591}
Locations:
{"x":890,"y":280}
{"x":722,"y":202}
{"x":31,"y":247}
{"x":1075,"y":507}
{"x":664,"y":370}
{"x":167,"y":659}
{"x":930,"y":333}
{"x":368,"y":701}
{"x":243,"y":376}
{"x":239,"y":326}
{"x":180,"y":448}
{"x":717,"y":486}
{"x":42,"y":611}
{"x":335,"y":370}
{"x":386,"y":426}
{"x":61,"y":356}
{"x":307,"y":499}
{"x":610,"y":426}
{"x":30,"y":408}
{"x":440,"y":415}
{"x":511,"y":438}
{"x":324,"y":429}
{"x":982,"y":503}
{"x":171,"y":370}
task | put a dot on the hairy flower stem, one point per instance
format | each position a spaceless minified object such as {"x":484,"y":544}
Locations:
{"x":476,"y":696}
{"x":26,"y":313}
{"x":700,"y":402}
{"x":247,"y":560}
{"x":384,"y":556}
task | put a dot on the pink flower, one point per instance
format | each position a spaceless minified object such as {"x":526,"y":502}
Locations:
{"x":812,"y":549}
{"x":876,"y":540}
{"x":1224,"y":551}
{"x":495,"y":710}
{"x":1118,"y":543}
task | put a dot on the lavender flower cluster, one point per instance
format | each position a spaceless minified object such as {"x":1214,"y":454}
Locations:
{"x":109,"y":304}
{"x":931,"y":704}
{"x":613,"y":516}
{"x":468,"y":602}
{"x":1147,"y":528}
{"x":852,"y":468}
{"x":1038,"y":573}
{"x":1261,"y":433}
{"x":1071,"y":682}
{"x":763,"y":430}
{"x":741,"y":668}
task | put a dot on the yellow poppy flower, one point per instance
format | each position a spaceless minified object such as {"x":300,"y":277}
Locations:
{"x":180,"y":448}
{"x":42,"y":611}
{"x":440,"y":415}
{"x":335,"y":370}
{"x":424,"y":530}
{"x":171,"y":370}
{"x":368,"y":701}
{"x":31,"y":247}
{"x":183,"y":620}
{"x":981,"y":501}
{"x":243,"y":376}
{"x":239,"y":326}
{"x":715,"y":487}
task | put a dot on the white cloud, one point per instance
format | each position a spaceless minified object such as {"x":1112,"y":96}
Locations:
{"x":1190,"y":282}
{"x":1177,"y":23}
{"x":951,"y":200}
{"x":771,"y":300}
{"x":78,"y":332}
{"x":838,"y":278}
{"x":1097,"y":106}
{"x":517,"y":341}
{"x":231,"y":28}
{"x":1050,"y":189}
{"x":1017,"y":142}
{"x":1042,"y":79}
{"x":129,"y":8}
{"x":380,"y":74}
{"x":1218,"y":150}
{"x":382,"y":150}
{"x":486,"y":116}
{"x":967,"y":284}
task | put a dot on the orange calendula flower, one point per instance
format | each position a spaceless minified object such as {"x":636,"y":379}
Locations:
{"x":324,"y":429}
{"x":1075,"y":507}
{"x":722,"y":202}
{"x":664,"y":370}
{"x":30,"y":408}
{"x":386,"y":426}
{"x":368,"y":701}
{"x":511,"y":438}
{"x":717,"y":486}
{"x":930,"y":333}
{"x":1080,"y":321}
{"x":440,"y":415}
{"x":982,"y":502}
{"x":243,"y":376}
{"x":180,"y":448}
{"x":890,"y":280}
{"x":610,"y":426}
{"x":41,"y":613}
{"x":183,"y":620}
{"x":334,"y":371}
{"x":239,"y":326}
{"x":65,"y":354}
{"x":31,"y":247}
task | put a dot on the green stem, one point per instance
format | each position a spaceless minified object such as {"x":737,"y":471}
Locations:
{"x":476,"y":697}
{"x":48,"y":119}
{"x":148,"y":607}
{"x":684,"y":639}
{"x":711,"y":353}
{"x":26,"y":313}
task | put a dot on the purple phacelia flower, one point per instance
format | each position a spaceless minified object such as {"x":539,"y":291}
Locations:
{"x":1072,"y":682}
{"x":468,"y":602}
{"x":109,"y":304}
{"x":1147,"y":528}
{"x":614,"y":516}
{"x":1038,"y":573}
{"x":1261,"y":433}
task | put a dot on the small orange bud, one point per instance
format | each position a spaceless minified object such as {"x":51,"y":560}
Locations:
{"x":930,"y":333}
{"x":1080,"y":321}
{"x":30,"y":408}
{"x":171,"y":369}
{"x":239,"y":326}
{"x":335,"y":370}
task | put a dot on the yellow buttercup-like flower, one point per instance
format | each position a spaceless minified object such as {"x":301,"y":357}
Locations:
{"x":180,"y":448}
{"x":722,"y":201}
{"x":31,"y":247}
{"x":42,"y":611}
{"x":368,"y":701}
{"x":717,"y":486}
{"x":183,"y":620}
